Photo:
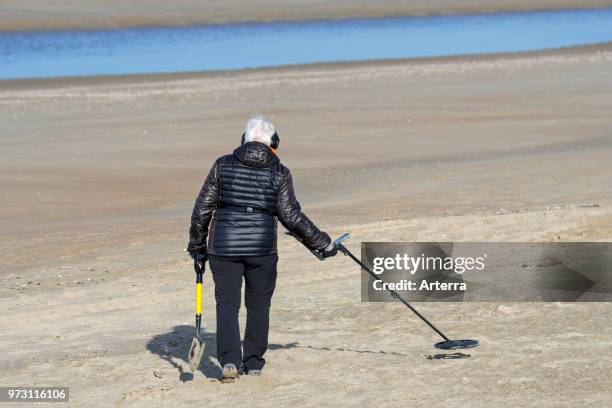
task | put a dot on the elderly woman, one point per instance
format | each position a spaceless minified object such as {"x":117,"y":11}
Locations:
{"x":237,"y":209}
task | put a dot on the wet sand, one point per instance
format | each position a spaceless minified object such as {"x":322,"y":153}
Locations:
{"x":99,"y":176}
{"x":76,"y":14}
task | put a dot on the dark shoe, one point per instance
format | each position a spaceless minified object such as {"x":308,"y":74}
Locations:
{"x":229,"y":371}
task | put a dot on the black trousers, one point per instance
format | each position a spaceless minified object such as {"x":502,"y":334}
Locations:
{"x":259,"y":275}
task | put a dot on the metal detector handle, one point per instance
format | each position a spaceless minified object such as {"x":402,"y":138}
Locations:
{"x":337,"y":243}
{"x":341,"y":239}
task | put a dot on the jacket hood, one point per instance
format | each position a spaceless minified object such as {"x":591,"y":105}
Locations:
{"x":256,"y":154}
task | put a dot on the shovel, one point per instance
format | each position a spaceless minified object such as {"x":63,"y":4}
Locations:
{"x":196,"y":351}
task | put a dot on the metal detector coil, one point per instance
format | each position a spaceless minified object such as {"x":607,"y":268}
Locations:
{"x":456,"y":344}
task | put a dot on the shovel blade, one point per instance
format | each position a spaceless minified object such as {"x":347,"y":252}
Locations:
{"x":196,"y":351}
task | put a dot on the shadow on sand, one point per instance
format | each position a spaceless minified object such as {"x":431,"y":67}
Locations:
{"x":350,"y":350}
{"x":174,"y":346}
{"x":441,"y":356}
{"x":448,"y":356}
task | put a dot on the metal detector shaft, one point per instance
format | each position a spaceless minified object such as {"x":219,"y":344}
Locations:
{"x":396,"y":295}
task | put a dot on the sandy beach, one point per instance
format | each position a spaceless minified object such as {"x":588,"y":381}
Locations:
{"x":77,"y":14}
{"x":99,"y":176}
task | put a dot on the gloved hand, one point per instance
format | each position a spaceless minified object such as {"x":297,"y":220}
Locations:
{"x":199,"y":257}
{"x":329,"y":251}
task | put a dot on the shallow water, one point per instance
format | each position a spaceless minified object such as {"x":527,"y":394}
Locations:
{"x":247,"y":45}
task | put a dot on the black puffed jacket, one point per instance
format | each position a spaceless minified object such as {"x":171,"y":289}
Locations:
{"x":240,"y":201}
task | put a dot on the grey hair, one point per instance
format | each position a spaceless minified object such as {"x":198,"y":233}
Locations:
{"x":259,"y":129}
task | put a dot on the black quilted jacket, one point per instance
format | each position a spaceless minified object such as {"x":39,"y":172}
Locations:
{"x":240,"y":201}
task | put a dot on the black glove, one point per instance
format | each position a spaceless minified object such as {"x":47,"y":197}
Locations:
{"x":330,"y":251}
{"x":199,"y":258}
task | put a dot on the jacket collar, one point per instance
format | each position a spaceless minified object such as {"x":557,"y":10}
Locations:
{"x":256,"y":154}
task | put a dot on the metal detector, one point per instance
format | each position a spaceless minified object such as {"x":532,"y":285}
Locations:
{"x":447,"y":344}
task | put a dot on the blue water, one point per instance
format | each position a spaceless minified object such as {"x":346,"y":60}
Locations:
{"x":247,"y":45}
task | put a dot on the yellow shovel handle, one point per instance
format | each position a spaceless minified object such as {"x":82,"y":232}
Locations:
{"x":198,"y":298}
